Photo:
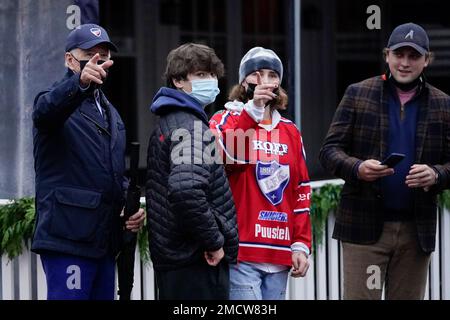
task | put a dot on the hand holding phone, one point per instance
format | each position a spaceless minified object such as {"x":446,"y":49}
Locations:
{"x":393,"y":159}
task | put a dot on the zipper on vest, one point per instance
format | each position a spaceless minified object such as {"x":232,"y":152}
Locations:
{"x":402,"y":111}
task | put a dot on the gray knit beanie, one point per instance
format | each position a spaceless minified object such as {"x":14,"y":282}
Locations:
{"x":260,"y":58}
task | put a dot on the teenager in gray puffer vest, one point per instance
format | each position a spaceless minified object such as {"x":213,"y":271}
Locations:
{"x":192,"y":220}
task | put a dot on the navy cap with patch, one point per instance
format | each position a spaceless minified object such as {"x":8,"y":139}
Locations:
{"x":87,"y":36}
{"x":409,"y":35}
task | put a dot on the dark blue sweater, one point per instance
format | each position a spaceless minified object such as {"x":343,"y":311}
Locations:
{"x":401,"y":139}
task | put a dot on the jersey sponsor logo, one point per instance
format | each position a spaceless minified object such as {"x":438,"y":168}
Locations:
{"x":271,"y":233}
{"x":304,"y":196}
{"x":273,"y":216}
{"x":270,"y":147}
{"x":272,"y":179}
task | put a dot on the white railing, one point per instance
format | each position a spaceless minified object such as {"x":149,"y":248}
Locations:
{"x":23,"y":277}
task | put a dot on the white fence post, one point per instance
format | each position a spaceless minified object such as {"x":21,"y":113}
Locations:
{"x":309,"y":280}
{"x":148,"y":281}
{"x":116,"y":284}
{"x":334,"y":264}
{"x":7,"y":278}
{"x":433,"y":275}
{"x":41,"y":280}
{"x":321,"y":269}
{"x":445,"y":253}
{"x":25,"y":285}
{"x":136,"y":292}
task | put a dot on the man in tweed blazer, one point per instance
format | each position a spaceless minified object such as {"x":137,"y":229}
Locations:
{"x":386,"y":218}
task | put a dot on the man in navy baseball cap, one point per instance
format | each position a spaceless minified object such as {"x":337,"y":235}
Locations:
{"x":79,"y":150}
{"x":88,"y":50}
{"x":407,"y":55}
{"x":393,"y":226}
{"x":409,"y":35}
{"x":87,"y":36}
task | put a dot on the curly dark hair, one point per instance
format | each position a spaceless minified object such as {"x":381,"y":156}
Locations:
{"x":190,"y":58}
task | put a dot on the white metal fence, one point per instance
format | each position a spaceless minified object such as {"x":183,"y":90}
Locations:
{"x":24,"y":279}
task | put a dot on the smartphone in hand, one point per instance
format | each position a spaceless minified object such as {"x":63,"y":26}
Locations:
{"x":393,"y":159}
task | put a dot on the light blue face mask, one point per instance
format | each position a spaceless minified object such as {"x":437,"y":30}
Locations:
{"x":204,"y":91}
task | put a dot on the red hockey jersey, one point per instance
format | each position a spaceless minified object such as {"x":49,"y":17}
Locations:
{"x":269,"y":180}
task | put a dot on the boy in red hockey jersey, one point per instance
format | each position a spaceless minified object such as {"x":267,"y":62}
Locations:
{"x":265,"y":162}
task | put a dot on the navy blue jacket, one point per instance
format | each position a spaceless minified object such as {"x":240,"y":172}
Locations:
{"x":79,"y":159}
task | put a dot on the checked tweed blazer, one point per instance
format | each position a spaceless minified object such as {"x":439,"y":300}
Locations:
{"x":358,"y":132}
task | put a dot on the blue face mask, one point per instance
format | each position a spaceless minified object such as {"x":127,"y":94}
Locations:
{"x":204,"y":91}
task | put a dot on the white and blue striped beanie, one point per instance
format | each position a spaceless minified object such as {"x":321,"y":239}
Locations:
{"x":260,"y":58}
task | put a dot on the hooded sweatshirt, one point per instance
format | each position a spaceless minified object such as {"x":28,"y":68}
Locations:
{"x":189,"y":201}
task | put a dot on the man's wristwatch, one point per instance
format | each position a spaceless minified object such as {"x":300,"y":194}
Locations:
{"x":436,"y":177}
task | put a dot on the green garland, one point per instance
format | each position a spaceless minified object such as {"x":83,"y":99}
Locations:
{"x":17,"y":220}
{"x":323,"y":201}
{"x":16,"y":226}
{"x":142,"y":241}
{"x":444,"y":199}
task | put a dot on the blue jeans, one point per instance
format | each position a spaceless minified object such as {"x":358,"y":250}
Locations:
{"x":250,"y":283}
